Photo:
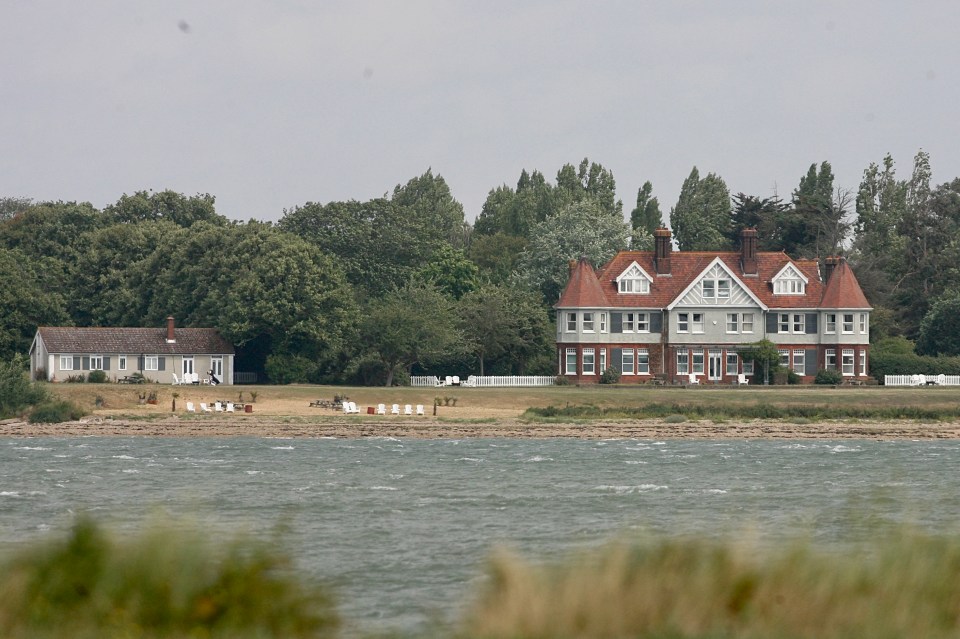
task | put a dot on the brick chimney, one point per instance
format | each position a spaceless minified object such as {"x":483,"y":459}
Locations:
{"x":748,"y":251}
{"x":663,"y":246}
{"x":829,"y":264}
{"x":170,"y":337}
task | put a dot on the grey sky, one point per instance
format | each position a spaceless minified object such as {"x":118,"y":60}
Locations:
{"x":271,"y":104}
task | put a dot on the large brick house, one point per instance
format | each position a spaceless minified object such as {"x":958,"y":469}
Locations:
{"x":672,"y":313}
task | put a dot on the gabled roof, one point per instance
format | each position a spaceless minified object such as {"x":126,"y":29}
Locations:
{"x":149,"y":341}
{"x":725,"y":268}
{"x":843,"y":290}
{"x":583,"y":288}
{"x":587,"y":288}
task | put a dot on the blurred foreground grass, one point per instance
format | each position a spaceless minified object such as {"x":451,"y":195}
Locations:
{"x":164,"y":584}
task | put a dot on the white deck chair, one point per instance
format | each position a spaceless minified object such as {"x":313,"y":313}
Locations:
{"x":693,"y":378}
{"x":921,"y":380}
{"x":419,"y":409}
{"x":456,"y":380}
{"x":395,"y":409}
{"x":205,"y":408}
{"x":230,"y":408}
{"x":381,"y":409}
{"x":176,"y":380}
{"x":217,"y":406}
{"x":346,"y":408}
{"x":742,"y":379}
{"x":941,"y":380}
{"x":448,"y":380}
{"x":408,"y":409}
{"x":191,"y":408}
{"x":354,"y":409}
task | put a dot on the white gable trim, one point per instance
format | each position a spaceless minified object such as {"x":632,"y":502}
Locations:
{"x":696,"y":280}
{"x":793,"y":267}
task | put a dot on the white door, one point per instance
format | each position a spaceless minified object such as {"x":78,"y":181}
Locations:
{"x":715,"y":368}
{"x":187,"y":365}
{"x":216,"y":366}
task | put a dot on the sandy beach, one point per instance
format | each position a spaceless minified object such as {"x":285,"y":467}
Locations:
{"x":431,"y":428}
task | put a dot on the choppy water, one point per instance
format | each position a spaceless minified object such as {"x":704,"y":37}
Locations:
{"x":402,"y":527}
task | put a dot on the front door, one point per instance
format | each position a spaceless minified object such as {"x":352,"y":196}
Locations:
{"x":715,"y":366}
{"x":188,"y":365}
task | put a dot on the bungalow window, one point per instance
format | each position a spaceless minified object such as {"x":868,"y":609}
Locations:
{"x":698,"y":323}
{"x":831,"y":324}
{"x":683,"y":363}
{"x":848,"y":322}
{"x":151,"y":363}
{"x":571,"y":368}
{"x":830,"y":359}
{"x":571,"y":322}
{"x":683,"y":322}
{"x":643,"y":361}
{"x":847,"y":361}
{"x":746,"y":323}
{"x":122,"y":362}
{"x":627,"y":361}
{"x":799,"y":361}
{"x":732,"y":322}
{"x":66,"y":362}
{"x":588,"y":322}
{"x":588,"y":361}
{"x":96,"y":362}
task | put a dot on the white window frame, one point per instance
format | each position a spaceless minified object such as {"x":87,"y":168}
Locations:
{"x":784,"y":323}
{"x":747,"y":368}
{"x":830,"y":325}
{"x":633,"y":281}
{"x":66,"y":362}
{"x":863,"y":362}
{"x":683,"y":362}
{"x":733,"y":323}
{"x":708,"y":289}
{"x":643,"y":361}
{"x":799,"y":362}
{"x":683,"y":322}
{"x":626,"y":361}
{"x":733,"y":364}
{"x":151,"y":362}
{"x":697,"y":322}
{"x":589,"y":361}
{"x":863,"y":323}
{"x":570,"y":366}
{"x":122,"y":363}
{"x":96,"y":363}
{"x":746,"y":323}
{"x":830,"y":359}
{"x":629,"y":323}
{"x":799,"y":323}
{"x":697,"y":362}
{"x":723,"y":289}
{"x":784,"y":357}
{"x":643,"y":322}
{"x":847,"y":362}
{"x":603,"y":360}
{"x":603,"y":322}
{"x":571,"y":322}
{"x":846,"y":324}
{"x":587,"y":321}
{"x":216,"y":367}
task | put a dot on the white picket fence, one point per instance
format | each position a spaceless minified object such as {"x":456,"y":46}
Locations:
{"x":489,"y":381}
{"x":921,"y":380}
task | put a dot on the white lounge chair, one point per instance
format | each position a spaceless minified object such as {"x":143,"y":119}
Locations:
{"x":419,"y":409}
{"x":742,"y":379}
{"x":921,"y":380}
{"x":205,"y":408}
{"x":395,"y":409}
{"x":381,"y":409}
{"x":176,"y":380}
{"x":456,"y":380}
{"x":693,"y":378}
{"x":941,"y":380}
{"x":408,"y":409}
{"x":230,"y":408}
{"x":191,"y":408}
{"x":217,"y":406}
{"x":448,"y":380}
{"x":350,"y":408}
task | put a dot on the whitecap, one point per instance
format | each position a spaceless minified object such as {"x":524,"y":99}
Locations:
{"x":123,"y":457}
{"x":131,"y":471}
{"x":629,"y":490}
{"x":282,"y":448}
{"x":9,"y":493}
{"x":635,"y":461}
{"x":31,"y":448}
{"x":539,"y":458}
{"x":382,"y":488}
{"x":469,"y":459}
{"x":254,"y":472}
{"x":844,"y":449}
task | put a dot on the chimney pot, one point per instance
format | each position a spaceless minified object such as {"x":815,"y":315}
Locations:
{"x":748,"y":251}
{"x":663,"y":247}
{"x":170,"y":335}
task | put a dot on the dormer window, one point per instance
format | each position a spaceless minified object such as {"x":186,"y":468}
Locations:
{"x":634,"y":280}
{"x":716,"y":289}
{"x":789,"y":281}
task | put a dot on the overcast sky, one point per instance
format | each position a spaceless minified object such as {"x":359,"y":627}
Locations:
{"x":271,"y":104}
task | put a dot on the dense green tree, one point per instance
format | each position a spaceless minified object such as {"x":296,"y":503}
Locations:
{"x":588,"y":181}
{"x":451,"y":272}
{"x":17,"y":392}
{"x":701,"y":217}
{"x":414,"y":324}
{"x":29,"y":298}
{"x":144,"y":206}
{"x":12,"y":206}
{"x":580,"y":229}
{"x":766,"y":215}
{"x":881,"y":205}
{"x":428,"y":201}
{"x":502,"y":322}
{"x":940,"y":327}
{"x":646,"y":215}
{"x":818,"y":225}
{"x":53,"y":229}
{"x":496,"y":255}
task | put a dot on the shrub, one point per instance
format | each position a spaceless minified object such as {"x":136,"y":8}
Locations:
{"x":90,"y":585}
{"x":284,"y":368}
{"x":829,"y":377}
{"x":562,"y":380}
{"x":40,"y":375}
{"x":55,"y":411}
{"x":97,"y":377}
{"x":17,"y":392}
{"x":793,"y":377}
{"x":610,"y":376}
{"x":674,"y":419}
{"x":76,"y":379}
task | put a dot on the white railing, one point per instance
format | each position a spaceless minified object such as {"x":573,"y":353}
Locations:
{"x":488,"y":381}
{"x":511,"y":380}
{"x":921,"y":380}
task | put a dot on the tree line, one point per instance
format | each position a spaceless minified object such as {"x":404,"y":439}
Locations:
{"x":371,"y":291}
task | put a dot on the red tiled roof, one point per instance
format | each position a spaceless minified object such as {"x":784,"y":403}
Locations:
{"x":843,"y":290}
{"x":583,"y":288}
{"x":589,"y":289}
{"x":189,"y":341}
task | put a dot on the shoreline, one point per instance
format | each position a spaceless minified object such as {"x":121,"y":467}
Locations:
{"x":420,"y":428}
